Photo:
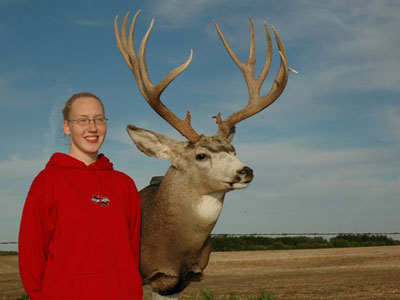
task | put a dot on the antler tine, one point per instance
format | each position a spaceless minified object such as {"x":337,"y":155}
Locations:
{"x":151,"y":92}
{"x":121,"y":45}
{"x":127,"y":48}
{"x":267,"y":65}
{"x":252,"y":58}
{"x":256,"y":102}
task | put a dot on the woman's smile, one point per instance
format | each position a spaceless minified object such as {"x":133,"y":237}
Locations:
{"x":92,"y":139}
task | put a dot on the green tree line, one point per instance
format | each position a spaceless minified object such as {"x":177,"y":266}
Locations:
{"x":248,"y":243}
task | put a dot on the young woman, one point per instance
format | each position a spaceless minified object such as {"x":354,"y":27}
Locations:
{"x":80,"y":228}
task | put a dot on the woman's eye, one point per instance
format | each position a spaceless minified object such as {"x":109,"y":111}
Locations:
{"x":83,"y":121}
{"x":201,"y":156}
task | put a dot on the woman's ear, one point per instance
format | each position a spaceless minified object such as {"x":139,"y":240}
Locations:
{"x":67,"y":131}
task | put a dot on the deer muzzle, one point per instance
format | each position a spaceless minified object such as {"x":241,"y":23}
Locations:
{"x":246,"y":171}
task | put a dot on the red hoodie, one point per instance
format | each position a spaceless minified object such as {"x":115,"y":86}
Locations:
{"x":80,"y":233}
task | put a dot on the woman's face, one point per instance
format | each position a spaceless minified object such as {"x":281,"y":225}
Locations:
{"x":86,"y":139}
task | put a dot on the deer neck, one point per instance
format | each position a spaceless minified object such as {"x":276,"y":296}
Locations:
{"x":182,"y":194}
{"x":209,"y":206}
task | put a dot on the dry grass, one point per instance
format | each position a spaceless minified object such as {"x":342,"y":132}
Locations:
{"x":10,"y":282}
{"x":339,"y":274}
{"x":346,"y":273}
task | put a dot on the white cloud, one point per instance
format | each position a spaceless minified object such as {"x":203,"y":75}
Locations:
{"x":11,"y":206}
{"x":18,"y":168}
{"x":119,"y":136}
{"x":91,"y":23}
{"x":14,"y":2}
{"x":10,"y":88}
{"x":177,"y":13}
{"x":388,"y":120}
{"x":299,"y":153}
{"x":357,"y":45}
{"x":55,"y":126}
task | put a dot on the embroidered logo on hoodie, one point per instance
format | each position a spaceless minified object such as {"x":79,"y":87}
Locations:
{"x":102,"y":201}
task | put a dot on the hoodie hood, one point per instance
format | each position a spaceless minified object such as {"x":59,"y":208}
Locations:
{"x":62,"y":160}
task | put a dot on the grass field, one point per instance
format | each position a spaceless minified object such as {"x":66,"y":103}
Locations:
{"x":371,"y":273}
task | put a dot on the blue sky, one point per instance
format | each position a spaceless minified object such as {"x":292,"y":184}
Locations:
{"x":326,"y":154}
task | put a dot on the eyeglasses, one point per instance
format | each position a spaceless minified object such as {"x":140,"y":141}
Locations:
{"x":86,"y":121}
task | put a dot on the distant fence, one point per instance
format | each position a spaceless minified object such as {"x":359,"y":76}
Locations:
{"x":303,"y":234}
{"x":281,"y":234}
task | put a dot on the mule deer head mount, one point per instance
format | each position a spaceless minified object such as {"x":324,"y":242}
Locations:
{"x":189,"y":199}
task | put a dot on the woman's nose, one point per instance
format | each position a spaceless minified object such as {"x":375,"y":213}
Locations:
{"x":92,"y":125}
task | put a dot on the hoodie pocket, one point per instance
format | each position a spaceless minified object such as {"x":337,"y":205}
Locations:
{"x":107,"y":286}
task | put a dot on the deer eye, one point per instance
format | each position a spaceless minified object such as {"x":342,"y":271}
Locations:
{"x":201,"y":156}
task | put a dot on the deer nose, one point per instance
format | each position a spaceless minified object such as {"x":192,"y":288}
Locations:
{"x":246,"y":171}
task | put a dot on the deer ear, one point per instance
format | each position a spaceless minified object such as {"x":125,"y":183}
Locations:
{"x":151,"y":143}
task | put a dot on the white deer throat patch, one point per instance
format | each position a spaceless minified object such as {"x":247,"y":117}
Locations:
{"x":210,"y":206}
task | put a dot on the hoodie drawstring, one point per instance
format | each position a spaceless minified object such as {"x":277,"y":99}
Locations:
{"x":98,"y":182}
{"x":99,"y":199}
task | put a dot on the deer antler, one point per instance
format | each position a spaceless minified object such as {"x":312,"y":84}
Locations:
{"x":256,"y":102}
{"x":150,"y":91}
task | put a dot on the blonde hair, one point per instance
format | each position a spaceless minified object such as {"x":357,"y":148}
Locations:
{"x":68,"y":105}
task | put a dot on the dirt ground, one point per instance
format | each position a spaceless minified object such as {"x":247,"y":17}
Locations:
{"x":339,"y":274}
